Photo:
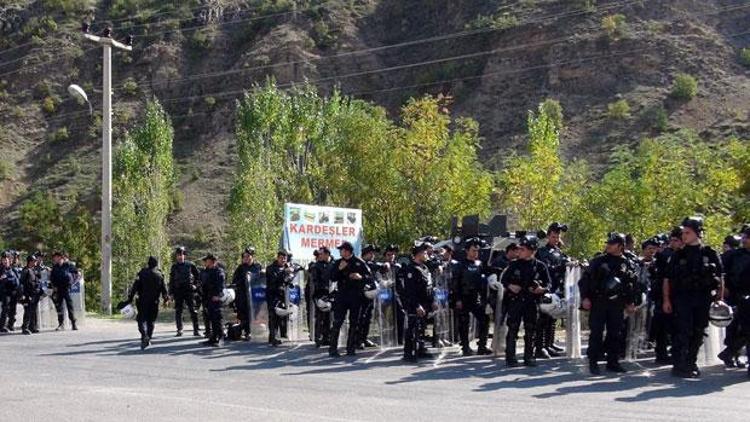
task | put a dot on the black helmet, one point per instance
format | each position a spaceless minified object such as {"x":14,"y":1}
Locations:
{"x":249,"y":250}
{"x":370,"y":248}
{"x":694,"y":223}
{"x":474,"y":241}
{"x":421,"y":246}
{"x":745,"y":229}
{"x":180,"y":250}
{"x":529,"y":241}
{"x":557,"y":227}
{"x":732,"y":241}
{"x":615,"y":237}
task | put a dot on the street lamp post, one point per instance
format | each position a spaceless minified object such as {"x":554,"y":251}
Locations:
{"x":107,"y":44}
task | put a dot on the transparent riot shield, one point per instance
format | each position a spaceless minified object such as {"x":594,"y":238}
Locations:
{"x":442,"y":315}
{"x":258,"y":308}
{"x":637,"y":335}
{"x":712,"y":344}
{"x":500,"y":328}
{"x":385,"y":310}
{"x":295,"y":324}
{"x":573,"y":302}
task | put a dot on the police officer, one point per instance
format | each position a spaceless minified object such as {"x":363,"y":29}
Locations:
{"x":149,"y":285}
{"x":320,"y":281}
{"x":662,"y":324}
{"x":468,"y":296}
{"x":277,"y":275}
{"x":9,"y":285}
{"x":183,"y":283}
{"x":736,"y":265}
{"x":350,"y":274}
{"x":213,"y":281}
{"x":368,"y":305}
{"x":525,"y":280}
{"x":607,"y":287}
{"x":31,"y":288}
{"x":244,"y":272}
{"x":389,"y":257}
{"x":417,"y":300}
{"x":692,"y":281}
{"x":552,"y":256}
{"x":62,"y":277}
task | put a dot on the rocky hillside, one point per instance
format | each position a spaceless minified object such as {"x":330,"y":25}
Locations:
{"x":611,"y":64}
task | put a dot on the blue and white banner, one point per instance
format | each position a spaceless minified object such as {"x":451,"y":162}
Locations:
{"x":309,"y":227}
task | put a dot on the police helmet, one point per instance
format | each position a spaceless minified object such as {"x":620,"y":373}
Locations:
{"x":720,"y":314}
{"x":323,"y":304}
{"x":529,"y":241}
{"x":227,"y":297}
{"x":694,"y":223}
{"x":128,"y":312}
{"x":552,"y":305}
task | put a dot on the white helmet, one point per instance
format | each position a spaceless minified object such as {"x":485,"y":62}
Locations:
{"x":284,"y":312}
{"x":323,"y":304}
{"x":128,"y":312}
{"x":720,"y":314}
{"x":371,"y":292}
{"x":552,"y":305}
{"x":227,"y":297}
{"x":493,"y":282}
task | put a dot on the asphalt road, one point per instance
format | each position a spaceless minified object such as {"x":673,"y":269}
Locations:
{"x":100,"y":374}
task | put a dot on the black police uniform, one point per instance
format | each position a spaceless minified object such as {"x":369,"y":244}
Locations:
{"x":183,"y":279}
{"x":556,"y":261}
{"x":213,"y":281}
{"x":31,"y":288}
{"x":609,"y":283}
{"x":62,"y":278}
{"x":469,"y":287}
{"x":348,"y":299}
{"x":149,"y":286}
{"x":417,"y":282}
{"x":277,"y":283}
{"x":368,"y":305}
{"x":694,"y":272}
{"x":320,"y":282}
{"x":662,"y":324}
{"x":9,"y":286}
{"x":241,"y":282}
{"x":736,"y":265}
{"x":523,"y":306}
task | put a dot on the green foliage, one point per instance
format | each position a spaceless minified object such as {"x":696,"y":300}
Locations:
{"x":202,"y":39}
{"x":585,"y":5}
{"x":49,"y":104}
{"x":685,"y":87}
{"x":130,"y":86}
{"x":745,"y":57}
{"x":143,"y":185}
{"x":408,"y":180}
{"x":44,"y":225}
{"x":40,"y":26}
{"x":60,"y":135}
{"x":210,"y":101}
{"x":7,"y":170}
{"x":324,"y":36}
{"x":619,"y":110}
{"x":615,"y":26}
{"x":657,"y":118}
{"x":67,"y":6}
{"x":497,"y":22}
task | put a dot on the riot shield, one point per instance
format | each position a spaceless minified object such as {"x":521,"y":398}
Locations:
{"x":258,"y":308}
{"x":385,"y":310}
{"x":500,"y":329}
{"x":712,"y":344}
{"x":442,"y":315}
{"x":573,"y":320}
{"x":636,"y":336}
{"x":295,"y":323}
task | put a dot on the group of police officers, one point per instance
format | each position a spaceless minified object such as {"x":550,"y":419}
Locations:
{"x":680,"y":282}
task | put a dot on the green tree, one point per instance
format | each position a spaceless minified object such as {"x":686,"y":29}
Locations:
{"x":143,"y":185}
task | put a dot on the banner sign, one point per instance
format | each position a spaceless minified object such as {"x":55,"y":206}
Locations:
{"x":309,"y":227}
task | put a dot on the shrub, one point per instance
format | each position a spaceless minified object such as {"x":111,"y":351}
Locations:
{"x":130,"y":86}
{"x":210,"y":102}
{"x":619,"y":110}
{"x":614,"y":26}
{"x":657,"y":118}
{"x":745,"y":57}
{"x":49,"y":104}
{"x":503,"y":21}
{"x":684,"y":87}
{"x":60,"y":135}
{"x":7,"y":169}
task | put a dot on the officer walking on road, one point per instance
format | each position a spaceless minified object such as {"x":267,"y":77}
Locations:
{"x":183,"y":283}
{"x":148,"y":286}
{"x":62,"y":277}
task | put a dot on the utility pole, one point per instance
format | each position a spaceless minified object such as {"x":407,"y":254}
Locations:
{"x":107,"y":43}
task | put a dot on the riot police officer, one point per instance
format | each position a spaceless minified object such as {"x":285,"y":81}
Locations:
{"x":662,"y":324}
{"x":350,"y":274}
{"x":31,"y":292}
{"x":244,"y":272}
{"x":468,"y":296}
{"x":552,"y":256}
{"x":525,"y":280}
{"x":213,"y":281}
{"x":417,"y":300}
{"x":183,"y":283}
{"x":9,"y":284}
{"x":607,"y":287}
{"x":277,"y":274}
{"x":149,"y":285}
{"x":62,"y":277}
{"x":368,"y":305}
{"x":320,"y":281}
{"x":736,"y":265}
{"x":389,"y":257}
{"x":692,"y":281}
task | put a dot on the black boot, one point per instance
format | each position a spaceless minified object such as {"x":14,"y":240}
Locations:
{"x":594,"y":368}
{"x":615,"y":367}
{"x":726,"y":357}
{"x":73,"y":326}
